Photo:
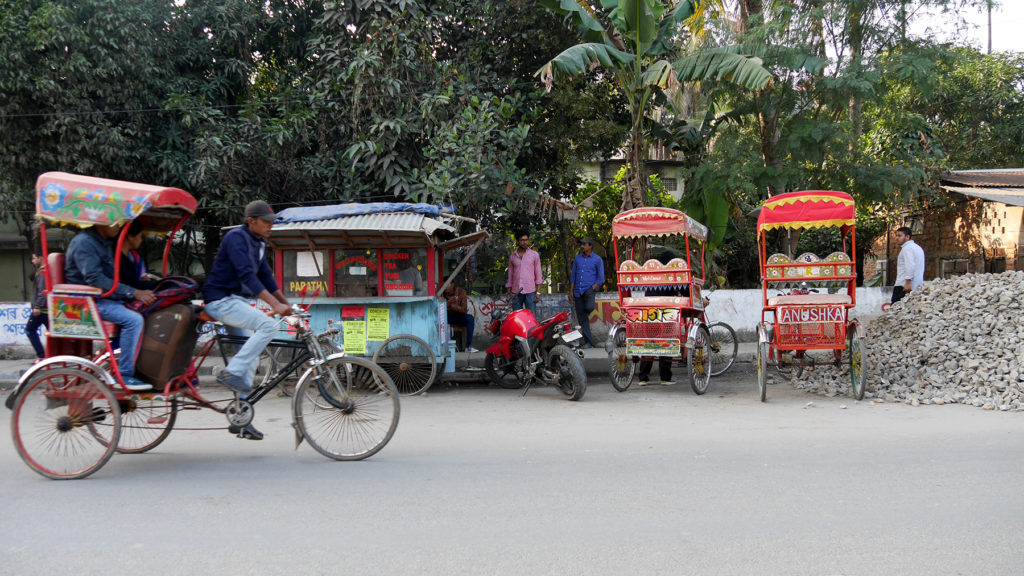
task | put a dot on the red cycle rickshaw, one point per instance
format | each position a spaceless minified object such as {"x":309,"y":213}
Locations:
{"x":807,"y":299}
{"x":660,"y":300}
{"x":72,"y":411}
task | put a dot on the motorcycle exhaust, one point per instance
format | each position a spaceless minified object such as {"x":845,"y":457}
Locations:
{"x":579,"y":352}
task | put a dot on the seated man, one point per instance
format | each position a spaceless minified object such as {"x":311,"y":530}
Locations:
{"x":90,"y":261}
{"x":458,"y":312}
{"x":240,"y":273}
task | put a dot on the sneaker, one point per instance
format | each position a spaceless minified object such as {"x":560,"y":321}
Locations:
{"x":642,"y":383}
{"x":135,"y":385}
{"x":668,"y":382}
{"x":471,"y":349}
{"x":249,"y":432}
{"x":234,"y":382}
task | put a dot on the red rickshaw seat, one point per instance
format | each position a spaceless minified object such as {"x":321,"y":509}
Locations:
{"x":55,"y":270}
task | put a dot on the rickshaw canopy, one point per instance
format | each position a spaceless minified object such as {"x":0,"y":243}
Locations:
{"x":656,"y":221}
{"x":83,"y":201}
{"x":807,"y":209}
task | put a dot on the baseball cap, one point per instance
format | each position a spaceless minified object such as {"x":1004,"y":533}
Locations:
{"x":260,"y":209}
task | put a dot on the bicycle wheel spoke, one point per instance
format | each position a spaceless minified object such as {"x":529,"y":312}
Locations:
{"x":353,"y":423}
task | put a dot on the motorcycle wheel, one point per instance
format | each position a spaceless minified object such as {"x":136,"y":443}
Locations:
{"x":572,"y":380}
{"x":501,"y":371}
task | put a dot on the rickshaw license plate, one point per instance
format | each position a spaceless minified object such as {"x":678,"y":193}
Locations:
{"x":652,"y":347}
{"x":572,"y":336}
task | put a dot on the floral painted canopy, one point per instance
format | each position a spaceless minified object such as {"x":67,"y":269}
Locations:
{"x":809,"y":209}
{"x":655,"y":221}
{"x":82,"y":201}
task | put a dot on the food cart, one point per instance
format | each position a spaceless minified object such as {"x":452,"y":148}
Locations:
{"x":378,"y":268}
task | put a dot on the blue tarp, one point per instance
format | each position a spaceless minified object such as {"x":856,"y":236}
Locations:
{"x":314,"y":213}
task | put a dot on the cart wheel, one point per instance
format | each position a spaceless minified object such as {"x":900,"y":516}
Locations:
{"x":502,"y":371}
{"x":65,"y":424}
{"x":699,"y":360}
{"x":350,"y":412}
{"x":621,"y":368}
{"x":146,"y":421}
{"x":409,"y":361}
{"x":762,"y":368}
{"x":724,"y":347}
{"x":856,"y":351}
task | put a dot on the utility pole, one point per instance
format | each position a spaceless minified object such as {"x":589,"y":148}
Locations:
{"x":989,"y":5}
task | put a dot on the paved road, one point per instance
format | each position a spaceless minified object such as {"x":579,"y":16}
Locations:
{"x":482,"y":481}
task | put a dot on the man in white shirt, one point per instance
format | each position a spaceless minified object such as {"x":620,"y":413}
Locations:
{"x":909,"y":265}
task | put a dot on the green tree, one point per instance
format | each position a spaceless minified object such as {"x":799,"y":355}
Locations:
{"x":636,"y":41}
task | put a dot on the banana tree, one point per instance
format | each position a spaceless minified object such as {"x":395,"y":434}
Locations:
{"x":636,"y":42}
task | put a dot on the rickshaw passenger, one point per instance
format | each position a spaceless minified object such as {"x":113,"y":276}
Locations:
{"x":133,"y":268}
{"x":240,"y":273}
{"x":90,"y":261}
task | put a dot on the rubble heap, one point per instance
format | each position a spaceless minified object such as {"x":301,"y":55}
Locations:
{"x":950,"y":341}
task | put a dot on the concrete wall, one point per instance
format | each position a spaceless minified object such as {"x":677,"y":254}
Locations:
{"x":741,"y":309}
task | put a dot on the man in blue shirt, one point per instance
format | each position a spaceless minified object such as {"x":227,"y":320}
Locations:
{"x":240,"y":273}
{"x":90,"y":261}
{"x":587,"y":278}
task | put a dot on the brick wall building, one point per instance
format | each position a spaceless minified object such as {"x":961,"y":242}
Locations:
{"x":981,"y":232}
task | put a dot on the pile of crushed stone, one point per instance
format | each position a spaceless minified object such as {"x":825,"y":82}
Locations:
{"x":953,"y":341}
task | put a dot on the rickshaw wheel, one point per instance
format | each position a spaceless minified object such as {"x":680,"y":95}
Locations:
{"x":351,"y":415}
{"x":762,"y":369}
{"x":856,"y":352}
{"x":409,"y":361}
{"x":146,"y":421}
{"x":65,"y":423}
{"x":699,"y":361}
{"x":621,"y":368}
{"x":724,"y":347}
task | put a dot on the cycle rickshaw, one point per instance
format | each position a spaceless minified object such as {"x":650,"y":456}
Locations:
{"x":72,"y":411}
{"x":660,"y":302}
{"x":794,"y":319}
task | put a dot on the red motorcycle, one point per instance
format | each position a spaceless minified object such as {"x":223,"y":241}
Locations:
{"x":527,"y":352}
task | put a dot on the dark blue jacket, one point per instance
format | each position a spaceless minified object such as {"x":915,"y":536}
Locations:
{"x":90,"y":261}
{"x":238,"y":268}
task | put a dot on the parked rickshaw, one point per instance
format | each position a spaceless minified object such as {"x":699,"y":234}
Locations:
{"x":660,"y":303}
{"x":379,"y":267}
{"x":807,"y":299}
{"x":72,"y":411}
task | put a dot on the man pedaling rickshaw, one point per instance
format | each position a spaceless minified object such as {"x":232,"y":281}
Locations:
{"x":240,"y":272}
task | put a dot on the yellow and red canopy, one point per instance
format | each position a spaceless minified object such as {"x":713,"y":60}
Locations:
{"x":807,"y":209}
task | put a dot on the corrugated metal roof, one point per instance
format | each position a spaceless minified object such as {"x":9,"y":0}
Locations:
{"x":389,"y":222}
{"x":986,"y":178}
{"x":1006,"y":195}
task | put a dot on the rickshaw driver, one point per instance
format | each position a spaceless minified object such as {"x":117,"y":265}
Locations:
{"x":240,"y":272}
{"x":90,"y":261}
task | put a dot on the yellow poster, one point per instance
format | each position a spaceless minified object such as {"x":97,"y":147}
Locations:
{"x":355,"y":337}
{"x":378,"y":323}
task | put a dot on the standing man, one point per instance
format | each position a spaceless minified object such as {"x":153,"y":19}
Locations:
{"x":90,"y":261}
{"x":587,"y":278}
{"x":39,"y":315}
{"x":524,"y":277}
{"x":909,"y":265}
{"x":240,"y":273}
